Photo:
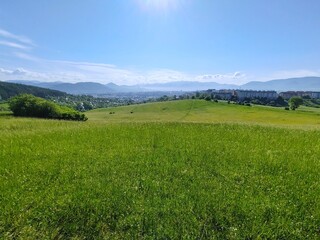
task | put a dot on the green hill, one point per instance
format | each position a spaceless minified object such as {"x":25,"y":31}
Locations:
{"x":8,"y":90}
{"x":199,"y":111}
{"x":171,"y":170}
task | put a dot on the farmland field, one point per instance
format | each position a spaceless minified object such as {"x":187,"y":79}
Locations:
{"x":171,"y":170}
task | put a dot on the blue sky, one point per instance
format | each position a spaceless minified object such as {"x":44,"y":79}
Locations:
{"x":144,"y":41}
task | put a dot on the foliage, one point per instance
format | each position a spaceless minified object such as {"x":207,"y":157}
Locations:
{"x":278,"y":102}
{"x":4,"y":106}
{"x":306,"y":97}
{"x":27,"y":105}
{"x":86,"y":102}
{"x":315,"y":103}
{"x":207,"y":98}
{"x":295,"y":102}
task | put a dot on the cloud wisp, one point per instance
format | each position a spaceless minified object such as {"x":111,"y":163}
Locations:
{"x":21,"y":39}
{"x":14,"y":45}
{"x":13,"y":41}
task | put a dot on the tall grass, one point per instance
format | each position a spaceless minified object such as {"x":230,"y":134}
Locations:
{"x":62,"y":180}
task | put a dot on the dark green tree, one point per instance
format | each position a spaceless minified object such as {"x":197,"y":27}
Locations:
{"x":207,"y":98}
{"x":295,"y":102}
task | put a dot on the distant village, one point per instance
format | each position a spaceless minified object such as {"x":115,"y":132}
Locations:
{"x":270,"y":98}
{"x":241,"y":95}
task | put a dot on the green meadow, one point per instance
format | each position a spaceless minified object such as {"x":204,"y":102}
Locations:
{"x":197,"y":111}
{"x":173,"y":170}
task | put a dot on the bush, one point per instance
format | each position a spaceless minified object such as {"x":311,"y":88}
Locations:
{"x":207,"y":98}
{"x":27,"y":105}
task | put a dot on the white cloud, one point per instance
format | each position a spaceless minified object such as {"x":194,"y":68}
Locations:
{"x":238,"y":75}
{"x":5,"y":71}
{"x":19,"y":71}
{"x":235,"y":78}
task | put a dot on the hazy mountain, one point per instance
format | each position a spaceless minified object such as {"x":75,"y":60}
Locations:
{"x":71,"y":88}
{"x":124,"y":88}
{"x":187,"y":86}
{"x":81,"y":87}
{"x":8,"y":90}
{"x":291,"y":84}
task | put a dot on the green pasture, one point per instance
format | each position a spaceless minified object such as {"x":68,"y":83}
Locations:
{"x":171,"y":170}
{"x":200,"y":111}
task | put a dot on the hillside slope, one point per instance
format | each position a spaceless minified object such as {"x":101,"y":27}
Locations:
{"x":201,"y":111}
{"x":82,"y":87}
{"x":8,"y":90}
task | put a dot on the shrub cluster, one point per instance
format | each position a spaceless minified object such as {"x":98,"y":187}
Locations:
{"x":279,"y":102}
{"x":27,"y":105}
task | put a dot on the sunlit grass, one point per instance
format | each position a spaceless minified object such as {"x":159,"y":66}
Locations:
{"x":119,"y":178}
{"x":209,"y":112}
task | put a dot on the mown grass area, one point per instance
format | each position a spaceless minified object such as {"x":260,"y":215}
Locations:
{"x":169,"y":179}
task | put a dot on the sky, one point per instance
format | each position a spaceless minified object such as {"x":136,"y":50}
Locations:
{"x":151,"y":41}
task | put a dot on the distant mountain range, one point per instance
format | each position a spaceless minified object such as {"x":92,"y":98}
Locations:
{"x":186,"y":86}
{"x":291,"y":84}
{"x":81,"y":87}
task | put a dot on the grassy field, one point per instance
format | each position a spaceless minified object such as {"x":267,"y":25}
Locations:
{"x":173,"y":170}
{"x":209,"y":112}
